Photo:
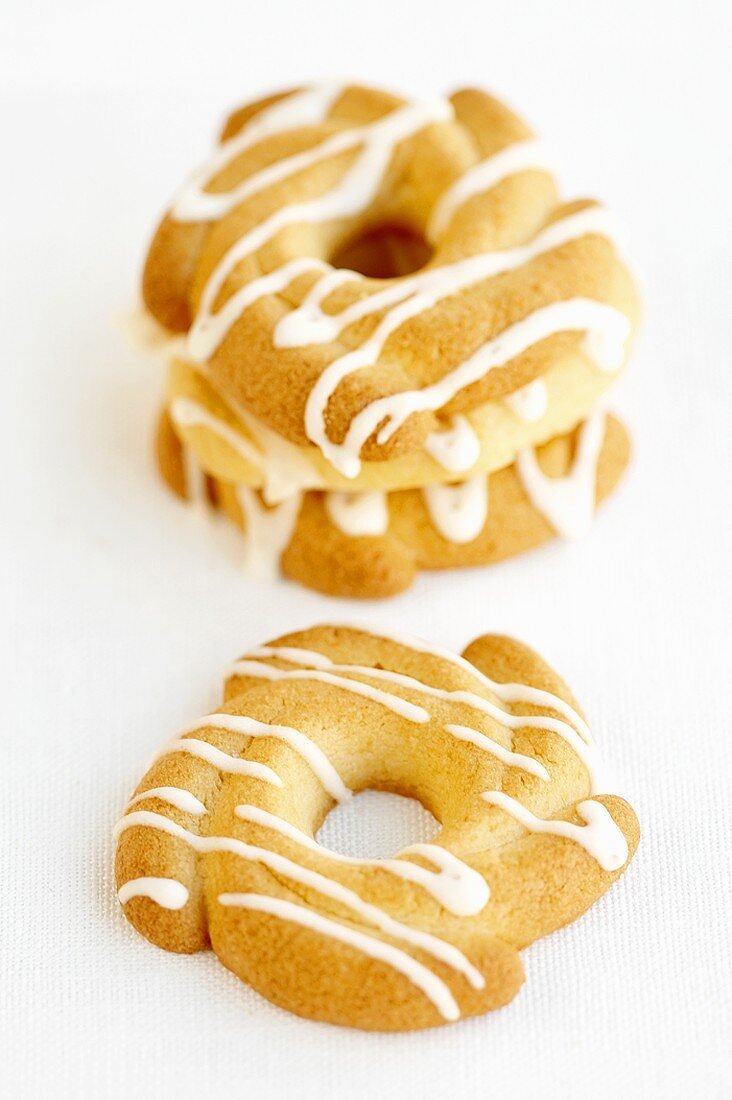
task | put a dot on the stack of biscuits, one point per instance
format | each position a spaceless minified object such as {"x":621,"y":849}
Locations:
{"x":387,"y":339}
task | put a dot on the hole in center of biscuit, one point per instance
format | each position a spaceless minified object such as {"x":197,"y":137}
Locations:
{"x":376,"y":825}
{"x":384,"y":252}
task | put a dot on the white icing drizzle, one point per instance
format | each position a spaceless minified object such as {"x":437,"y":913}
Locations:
{"x":219,"y":759}
{"x":567,"y":502}
{"x":509,"y":693}
{"x":400,"y":706}
{"x":244,"y":667}
{"x":609,"y":329}
{"x":209,"y":329}
{"x":329,"y":887}
{"x":606,"y":328}
{"x":456,"y":448}
{"x":309,"y":107}
{"x":174,"y":796}
{"x":518,"y":692}
{"x":458,"y":512}
{"x":457,"y":887}
{"x":586,"y":752}
{"x":195,"y":480}
{"x":187,"y":413}
{"x":287,"y":469}
{"x":600,"y":836}
{"x":168,"y":893}
{"x":309,"y":324}
{"x":268,"y":531}
{"x":519,"y":157}
{"x":506,"y":756}
{"x":530,"y":402}
{"x":303,"y":745}
{"x":358,"y":514}
{"x":432,"y":986}
{"x":294,"y":655}
{"x":356,"y":189}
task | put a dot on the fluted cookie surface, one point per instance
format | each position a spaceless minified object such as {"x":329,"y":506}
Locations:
{"x":218,"y":844}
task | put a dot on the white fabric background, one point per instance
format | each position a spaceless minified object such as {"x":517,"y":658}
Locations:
{"x":121,"y":612}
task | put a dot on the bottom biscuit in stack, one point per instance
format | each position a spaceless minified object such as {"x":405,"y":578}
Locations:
{"x":371,"y":544}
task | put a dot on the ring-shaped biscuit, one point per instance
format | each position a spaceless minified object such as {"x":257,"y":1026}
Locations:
{"x":516,"y":287}
{"x":218,"y":843}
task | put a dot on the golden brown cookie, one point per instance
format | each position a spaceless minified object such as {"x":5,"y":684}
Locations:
{"x":364,"y":295}
{"x":217,"y":847}
{"x":314,"y":550}
{"x":250,"y":257}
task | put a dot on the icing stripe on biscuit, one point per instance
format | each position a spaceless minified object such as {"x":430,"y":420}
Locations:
{"x":322,"y":884}
{"x":303,"y":745}
{"x":420,"y":976}
{"x":457,"y":887}
{"x":168,"y":893}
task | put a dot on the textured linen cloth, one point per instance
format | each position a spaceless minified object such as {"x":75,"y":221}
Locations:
{"x":121,"y":612}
